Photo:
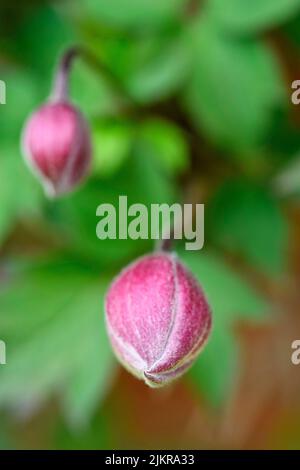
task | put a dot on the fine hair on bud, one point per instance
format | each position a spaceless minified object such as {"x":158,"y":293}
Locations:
{"x":157,"y":317}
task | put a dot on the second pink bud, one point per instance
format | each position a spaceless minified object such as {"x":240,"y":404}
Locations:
{"x":56,"y":146}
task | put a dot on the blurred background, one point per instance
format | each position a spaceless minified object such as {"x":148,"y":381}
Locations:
{"x":188,"y":101}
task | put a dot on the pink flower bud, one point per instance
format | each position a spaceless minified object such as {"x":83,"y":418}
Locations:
{"x":157,"y":317}
{"x":56,"y":146}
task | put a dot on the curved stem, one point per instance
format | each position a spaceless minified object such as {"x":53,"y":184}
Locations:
{"x":166,"y":244}
{"x":61,"y":80}
{"x":170,"y":236}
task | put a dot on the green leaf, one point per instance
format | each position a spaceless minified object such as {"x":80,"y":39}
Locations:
{"x":89,"y":90}
{"x":234,"y":87}
{"x":252,"y":16}
{"x":5,"y":438}
{"x":20,"y":195}
{"x":23,"y":95}
{"x":141,"y":180}
{"x":217,"y":369}
{"x":159,"y":140}
{"x":292,"y":30}
{"x":90,"y":382}
{"x":247,"y":220}
{"x":112,"y":142}
{"x":166,"y":142}
{"x":133,"y":13}
{"x":101,"y":434}
{"x":52,"y":322}
{"x":230,"y":299}
{"x":150,"y":68}
{"x":41,"y":37}
{"x":283,"y":141}
{"x":160,"y":70}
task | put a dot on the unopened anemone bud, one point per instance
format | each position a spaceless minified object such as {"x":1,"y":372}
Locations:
{"x":56,"y":146}
{"x":157,"y":317}
{"x":56,"y":139}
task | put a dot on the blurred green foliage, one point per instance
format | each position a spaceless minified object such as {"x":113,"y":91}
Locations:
{"x":186,"y":90}
{"x":231,"y":300}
